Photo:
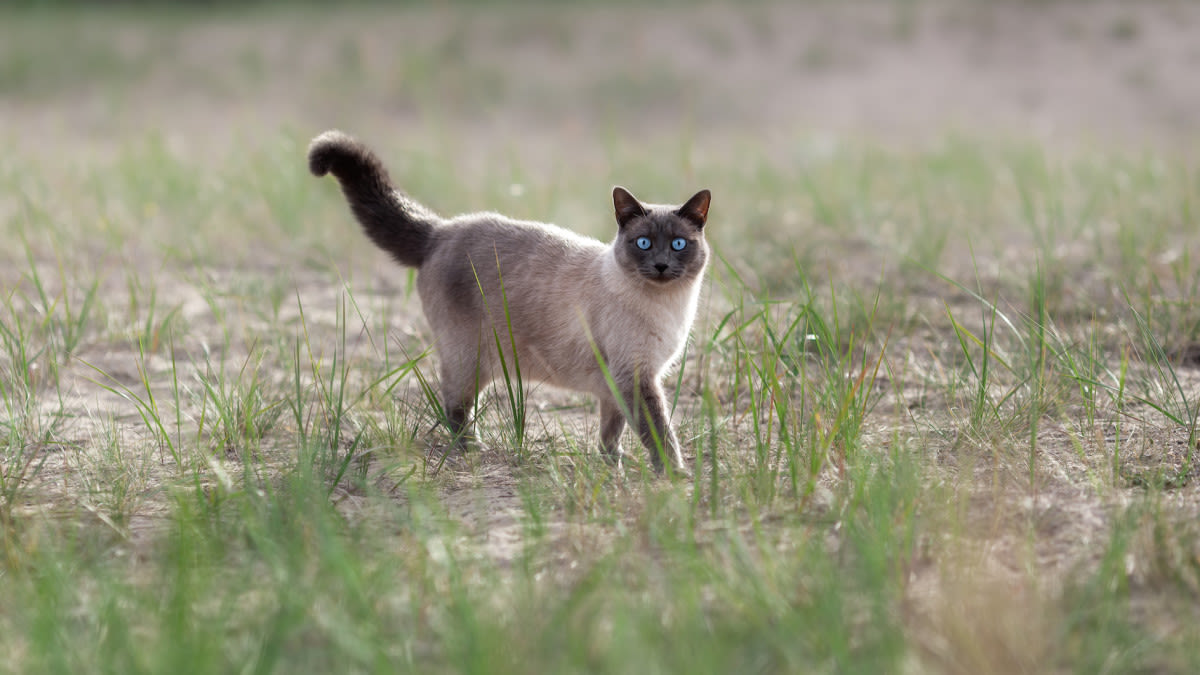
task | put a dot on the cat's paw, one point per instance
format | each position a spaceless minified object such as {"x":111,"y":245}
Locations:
{"x":676,"y":471}
{"x":674,"y":468}
{"x":453,"y":455}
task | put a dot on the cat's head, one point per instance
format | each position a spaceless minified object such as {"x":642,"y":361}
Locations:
{"x":661,"y":244}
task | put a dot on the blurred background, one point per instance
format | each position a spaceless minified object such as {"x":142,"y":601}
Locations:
{"x":560,"y":82}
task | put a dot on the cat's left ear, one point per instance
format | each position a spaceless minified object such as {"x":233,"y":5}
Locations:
{"x":696,"y":208}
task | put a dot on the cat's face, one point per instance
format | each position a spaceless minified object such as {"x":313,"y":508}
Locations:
{"x":661,"y":244}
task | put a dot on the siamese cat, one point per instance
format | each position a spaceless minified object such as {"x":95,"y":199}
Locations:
{"x":608,"y":319}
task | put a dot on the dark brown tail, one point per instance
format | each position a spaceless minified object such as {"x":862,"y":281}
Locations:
{"x":396,"y":224}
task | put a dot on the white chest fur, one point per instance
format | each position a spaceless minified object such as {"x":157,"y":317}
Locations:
{"x":645,"y":323}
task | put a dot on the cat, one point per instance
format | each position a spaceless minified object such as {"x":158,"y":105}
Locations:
{"x":584,"y":315}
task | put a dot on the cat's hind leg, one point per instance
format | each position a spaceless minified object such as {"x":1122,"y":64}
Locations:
{"x":461,"y":383}
{"x":458,"y":422}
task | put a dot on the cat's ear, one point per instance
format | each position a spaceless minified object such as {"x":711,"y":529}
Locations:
{"x":627,"y":206}
{"x":696,"y":208}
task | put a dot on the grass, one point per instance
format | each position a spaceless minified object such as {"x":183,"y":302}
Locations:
{"x":941,"y":403}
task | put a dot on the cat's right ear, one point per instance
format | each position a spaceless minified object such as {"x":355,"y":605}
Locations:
{"x":627,"y":206}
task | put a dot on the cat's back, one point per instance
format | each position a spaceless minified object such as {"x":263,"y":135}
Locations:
{"x":512,"y":245}
{"x":481,"y":252}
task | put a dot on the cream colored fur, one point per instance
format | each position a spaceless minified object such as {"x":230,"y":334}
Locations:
{"x":573,"y":303}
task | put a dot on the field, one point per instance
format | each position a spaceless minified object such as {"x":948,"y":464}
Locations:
{"x":941,"y":399}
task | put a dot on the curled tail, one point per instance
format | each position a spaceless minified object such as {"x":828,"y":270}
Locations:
{"x":394,"y":222}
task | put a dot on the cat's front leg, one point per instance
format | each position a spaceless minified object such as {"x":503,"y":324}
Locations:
{"x":612,"y":424}
{"x":648,"y":408}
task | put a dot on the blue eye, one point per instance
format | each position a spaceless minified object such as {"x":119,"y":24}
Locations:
{"x":678,"y":243}
{"x":643,"y":243}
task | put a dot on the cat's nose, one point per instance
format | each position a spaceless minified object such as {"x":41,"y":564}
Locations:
{"x":661,"y":267}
